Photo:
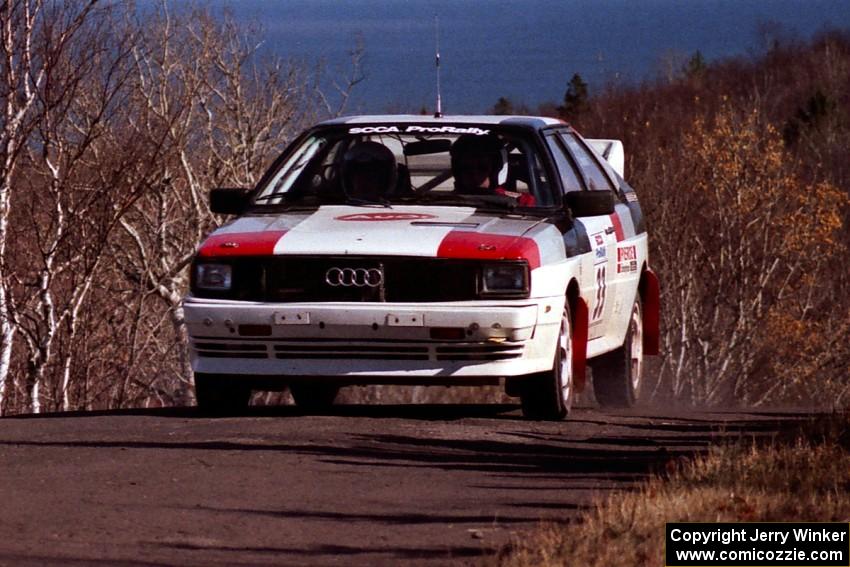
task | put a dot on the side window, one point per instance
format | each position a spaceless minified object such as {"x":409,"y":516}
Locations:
{"x":596,"y":178}
{"x":569,"y":177}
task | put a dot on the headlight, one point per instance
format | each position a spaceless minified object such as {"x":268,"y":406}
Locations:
{"x":213,"y":277}
{"x":504,"y":279}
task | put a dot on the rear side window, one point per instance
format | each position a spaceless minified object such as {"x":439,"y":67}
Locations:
{"x":569,"y":177}
{"x":596,"y":178}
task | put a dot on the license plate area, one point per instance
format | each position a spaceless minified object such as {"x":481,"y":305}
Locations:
{"x":405,"y":320}
{"x":292,"y":318}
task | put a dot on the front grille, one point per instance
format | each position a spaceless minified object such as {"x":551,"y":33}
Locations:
{"x":231,"y":350}
{"x":331,"y":349}
{"x":302,"y":279}
{"x":347,"y":351}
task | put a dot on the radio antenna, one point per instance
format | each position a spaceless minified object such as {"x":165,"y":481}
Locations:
{"x":438,"y":113}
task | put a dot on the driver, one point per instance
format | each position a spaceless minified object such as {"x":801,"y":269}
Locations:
{"x":477,"y":162}
{"x":369,"y":171}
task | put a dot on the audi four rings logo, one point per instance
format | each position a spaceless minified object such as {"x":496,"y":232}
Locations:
{"x":354,"y":277}
{"x":385,"y":217}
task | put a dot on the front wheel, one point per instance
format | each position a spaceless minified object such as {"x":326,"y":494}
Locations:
{"x":218,"y":394}
{"x":549,"y":395}
{"x":617,"y":375}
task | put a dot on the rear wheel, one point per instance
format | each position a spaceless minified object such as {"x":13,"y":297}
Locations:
{"x":617,"y":375}
{"x":549,"y":395}
{"x":314,"y":396}
{"x":219,"y":394}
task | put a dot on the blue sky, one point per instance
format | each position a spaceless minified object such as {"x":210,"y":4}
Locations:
{"x":525,"y":50}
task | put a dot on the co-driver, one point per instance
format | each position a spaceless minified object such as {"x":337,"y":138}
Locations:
{"x":476,"y":164}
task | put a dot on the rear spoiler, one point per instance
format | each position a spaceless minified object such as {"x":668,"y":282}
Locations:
{"x":612,"y":151}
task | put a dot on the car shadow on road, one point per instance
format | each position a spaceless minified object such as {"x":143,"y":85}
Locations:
{"x":520,"y":449}
{"x":429,"y":412}
{"x":637,"y":418}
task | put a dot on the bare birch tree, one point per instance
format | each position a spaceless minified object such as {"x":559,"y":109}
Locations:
{"x":83,"y":178}
{"x":227,"y":115}
{"x":25,"y":65}
{"x":116,"y":124}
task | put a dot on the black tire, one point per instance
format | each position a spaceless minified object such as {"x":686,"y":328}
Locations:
{"x":219,"y":394}
{"x":549,"y":395}
{"x":618,"y":375}
{"x":314,"y":397}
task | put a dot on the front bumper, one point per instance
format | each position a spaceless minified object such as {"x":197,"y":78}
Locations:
{"x":378,"y":340}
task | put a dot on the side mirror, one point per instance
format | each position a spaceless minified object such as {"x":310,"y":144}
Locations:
{"x":228,"y":201}
{"x":590,"y":203}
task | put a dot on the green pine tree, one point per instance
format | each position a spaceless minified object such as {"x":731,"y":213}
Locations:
{"x":503,"y":106}
{"x":575,"y":99}
{"x":695,"y":66}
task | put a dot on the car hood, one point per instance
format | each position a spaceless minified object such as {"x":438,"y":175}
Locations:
{"x":443,"y":232}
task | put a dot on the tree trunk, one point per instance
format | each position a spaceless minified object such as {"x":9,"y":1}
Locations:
{"x":7,"y":327}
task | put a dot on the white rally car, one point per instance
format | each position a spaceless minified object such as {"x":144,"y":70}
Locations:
{"x":365,"y":256}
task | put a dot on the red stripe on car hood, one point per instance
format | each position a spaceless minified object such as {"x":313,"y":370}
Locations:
{"x":240,"y":244}
{"x":483,"y":246}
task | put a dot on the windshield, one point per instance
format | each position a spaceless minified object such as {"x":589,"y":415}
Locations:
{"x":383,"y":165}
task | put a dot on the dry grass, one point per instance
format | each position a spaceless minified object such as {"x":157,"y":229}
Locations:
{"x":806,"y":479}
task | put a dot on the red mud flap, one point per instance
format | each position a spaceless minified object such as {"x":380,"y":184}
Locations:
{"x":580,"y":323}
{"x":650,"y":292}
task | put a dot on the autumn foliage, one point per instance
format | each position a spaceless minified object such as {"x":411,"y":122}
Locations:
{"x":746,"y":247}
{"x":741,"y":173}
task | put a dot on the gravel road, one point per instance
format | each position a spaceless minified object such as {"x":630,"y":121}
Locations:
{"x":365,"y":485}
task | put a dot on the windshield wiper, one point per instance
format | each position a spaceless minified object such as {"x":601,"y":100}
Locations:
{"x":355,"y":202}
{"x":271,"y":196}
{"x":288,"y":202}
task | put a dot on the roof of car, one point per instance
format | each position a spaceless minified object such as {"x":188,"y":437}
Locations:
{"x":523,"y":121}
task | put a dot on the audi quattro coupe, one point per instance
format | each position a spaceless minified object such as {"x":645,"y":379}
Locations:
{"x":412,"y":250}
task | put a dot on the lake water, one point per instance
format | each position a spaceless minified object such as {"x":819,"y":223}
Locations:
{"x":524,"y":50}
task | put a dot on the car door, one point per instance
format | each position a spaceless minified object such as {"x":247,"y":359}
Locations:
{"x":601,"y":234}
{"x":628,"y":249}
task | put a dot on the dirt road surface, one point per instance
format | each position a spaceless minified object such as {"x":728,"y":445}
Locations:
{"x":365,"y":485}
